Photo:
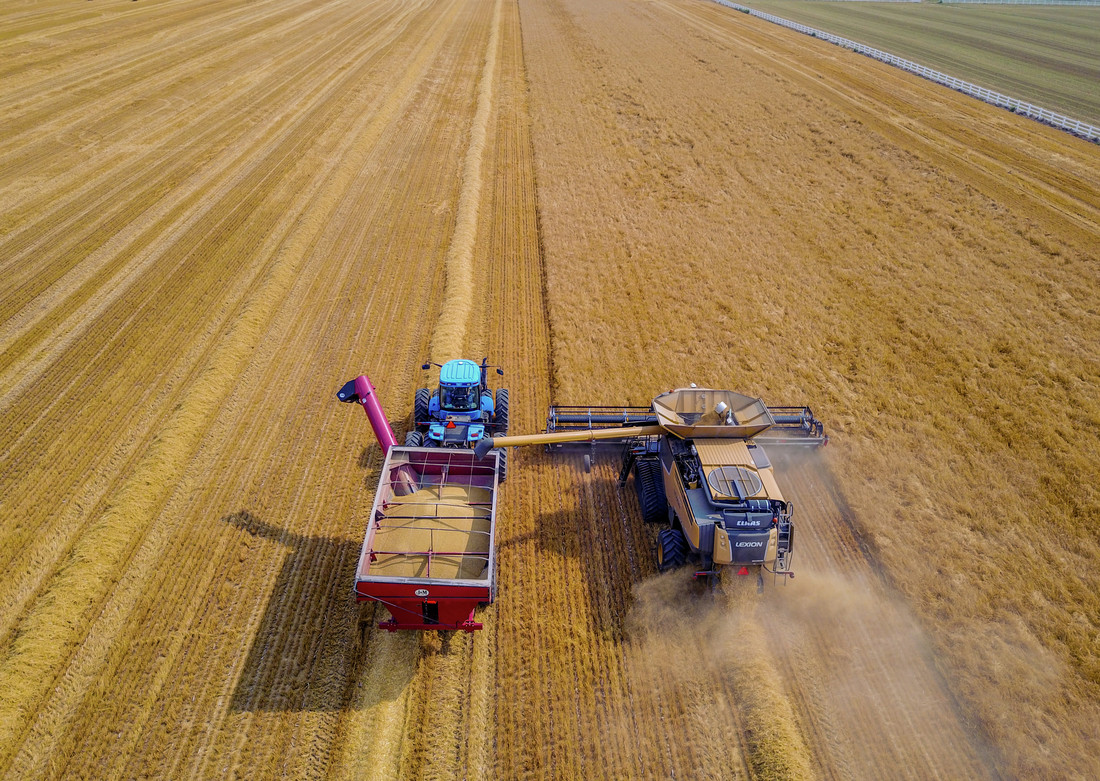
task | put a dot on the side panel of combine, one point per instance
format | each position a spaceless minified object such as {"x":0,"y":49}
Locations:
{"x":676,"y":492}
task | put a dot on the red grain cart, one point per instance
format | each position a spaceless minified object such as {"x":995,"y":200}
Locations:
{"x":429,"y":555}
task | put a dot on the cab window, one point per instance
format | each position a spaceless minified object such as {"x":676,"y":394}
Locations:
{"x":459,"y":399}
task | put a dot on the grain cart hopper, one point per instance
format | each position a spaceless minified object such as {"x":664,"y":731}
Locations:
{"x":700,"y":467}
{"x":461,"y":410}
{"x":428,"y":555}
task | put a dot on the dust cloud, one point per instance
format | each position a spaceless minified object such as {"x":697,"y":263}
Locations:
{"x":825,"y":674}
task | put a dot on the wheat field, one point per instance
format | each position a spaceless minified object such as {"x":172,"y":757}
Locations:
{"x":215,"y":213}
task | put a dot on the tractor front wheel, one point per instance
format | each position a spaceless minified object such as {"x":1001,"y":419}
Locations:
{"x":671,"y":549}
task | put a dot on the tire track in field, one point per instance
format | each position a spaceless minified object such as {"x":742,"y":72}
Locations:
{"x":36,"y":559}
{"x":225,"y":169}
{"x":448,"y":340}
{"x":356,"y":133}
{"x":310,"y":459}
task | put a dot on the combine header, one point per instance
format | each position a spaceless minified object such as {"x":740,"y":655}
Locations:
{"x":699,"y":467}
{"x":428,"y":555}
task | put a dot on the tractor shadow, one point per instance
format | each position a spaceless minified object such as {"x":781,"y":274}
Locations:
{"x":311,"y":645}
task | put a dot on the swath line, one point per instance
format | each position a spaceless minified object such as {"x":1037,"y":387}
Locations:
{"x":450,"y":330}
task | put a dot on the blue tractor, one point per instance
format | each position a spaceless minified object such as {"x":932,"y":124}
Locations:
{"x":461,"y":410}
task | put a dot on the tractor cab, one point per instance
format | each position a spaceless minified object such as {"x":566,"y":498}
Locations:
{"x":460,"y":387}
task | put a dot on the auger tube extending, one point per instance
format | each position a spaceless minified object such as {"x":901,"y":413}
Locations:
{"x":484,"y":446}
{"x":361,"y":390}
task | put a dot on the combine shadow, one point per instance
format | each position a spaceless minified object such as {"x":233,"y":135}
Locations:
{"x":596,"y":526}
{"x":311,"y":645}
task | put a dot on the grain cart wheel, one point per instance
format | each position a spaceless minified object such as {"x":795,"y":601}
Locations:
{"x":500,"y":417}
{"x":414,"y":439}
{"x":502,"y":473}
{"x":671,"y":549}
{"x":420,"y":405}
{"x":650,"y":486}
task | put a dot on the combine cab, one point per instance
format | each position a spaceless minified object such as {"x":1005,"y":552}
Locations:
{"x":428,"y":555}
{"x":700,"y":468}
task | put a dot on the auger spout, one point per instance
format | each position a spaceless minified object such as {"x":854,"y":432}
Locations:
{"x":361,"y":390}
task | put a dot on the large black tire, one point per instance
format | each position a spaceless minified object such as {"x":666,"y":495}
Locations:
{"x":500,"y":416}
{"x":414,"y":439}
{"x":430,"y":442}
{"x":650,"y":485}
{"x":420,"y":405}
{"x":502,"y":473}
{"x":672,"y":549}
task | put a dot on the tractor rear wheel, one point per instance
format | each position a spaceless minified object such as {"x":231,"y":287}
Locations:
{"x":650,"y":485}
{"x":420,"y":405}
{"x":414,"y":439}
{"x":500,"y":416}
{"x":671,"y":549}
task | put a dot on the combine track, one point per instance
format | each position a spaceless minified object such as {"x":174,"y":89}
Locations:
{"x":214,"y":213}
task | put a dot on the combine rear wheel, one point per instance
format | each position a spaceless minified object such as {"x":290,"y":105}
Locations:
{"x":650,"y":486}
{"x":420,"y":405}
{"x":500,"y":416}
{"x":414,"y":439}
{"x":671,"y":549}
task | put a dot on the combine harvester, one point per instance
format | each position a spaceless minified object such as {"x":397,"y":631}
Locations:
{"x":429,"y":553}
{"x":700,"y":467}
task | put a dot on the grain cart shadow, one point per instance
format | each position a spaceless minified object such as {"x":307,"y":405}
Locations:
{"x":307,"y":649}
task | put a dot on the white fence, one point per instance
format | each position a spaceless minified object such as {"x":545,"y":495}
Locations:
{"x":1061,"y":121}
